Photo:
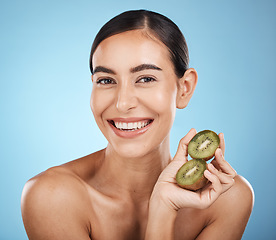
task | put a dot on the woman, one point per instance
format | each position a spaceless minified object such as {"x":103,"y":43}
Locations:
{"x":140,"y":75}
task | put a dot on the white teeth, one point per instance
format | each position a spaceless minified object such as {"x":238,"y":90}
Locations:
{"x":120,"y":125}
{"x":131,"y":125}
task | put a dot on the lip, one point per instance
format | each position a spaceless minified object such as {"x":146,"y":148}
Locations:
{"x":131,"y":133}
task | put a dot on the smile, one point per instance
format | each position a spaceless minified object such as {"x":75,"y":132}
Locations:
{"x":130,"y":127}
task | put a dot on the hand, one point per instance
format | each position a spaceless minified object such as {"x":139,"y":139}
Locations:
{"x":221,"y":168}
{"x":220,"y":175}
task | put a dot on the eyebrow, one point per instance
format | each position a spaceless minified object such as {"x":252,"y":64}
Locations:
{"x":144,"y":67}
{"x":102,"y":69}
{"x":139,"y":68}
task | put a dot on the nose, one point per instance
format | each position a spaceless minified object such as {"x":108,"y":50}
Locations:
{"x":126,"y":99}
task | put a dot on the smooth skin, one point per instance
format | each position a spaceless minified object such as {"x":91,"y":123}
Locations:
{"x":128,"y":190}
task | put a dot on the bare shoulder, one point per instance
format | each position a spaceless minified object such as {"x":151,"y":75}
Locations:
{"x":53,"y":184}
{"x":239,"y":198}
{"x":230,"y":213}
{"x":55,"y":199}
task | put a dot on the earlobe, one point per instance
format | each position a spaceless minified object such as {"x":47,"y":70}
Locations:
{"x":186,"y":88}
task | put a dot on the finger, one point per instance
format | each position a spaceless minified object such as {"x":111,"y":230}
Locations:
{"x":222,"y":147}
{"x":225,"y":179}
{"x":215,"y":164}
{"x":222,"y":142}
{"x":182,"y":150}
{"x":179,"y":159}
{"x":211,"y":192}
{"x":223,"y":164}
{"x":216,"y":185}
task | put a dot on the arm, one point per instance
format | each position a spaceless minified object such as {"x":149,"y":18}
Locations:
{"x":52,"y":207}
{"x":173,"y":198}
{"x":160,"y":221}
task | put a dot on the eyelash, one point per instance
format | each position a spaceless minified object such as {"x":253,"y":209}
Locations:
{"x":148,"y":80}
{"x":104,"y":81}
{"x":107,"y":81}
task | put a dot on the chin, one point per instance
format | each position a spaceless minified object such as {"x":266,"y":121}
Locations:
{"x":131,"y":151}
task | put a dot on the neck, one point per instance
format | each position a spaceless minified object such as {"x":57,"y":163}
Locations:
{"x":135,"y":176}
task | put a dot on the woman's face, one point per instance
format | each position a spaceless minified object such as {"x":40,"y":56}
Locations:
{"x":134,"y":92}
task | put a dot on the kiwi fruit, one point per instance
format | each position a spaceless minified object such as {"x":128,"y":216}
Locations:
{"x":203,"y":145}
{"x":191,"y":175}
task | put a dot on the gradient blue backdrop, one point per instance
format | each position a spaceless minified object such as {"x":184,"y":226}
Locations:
{"x":45,"y":90}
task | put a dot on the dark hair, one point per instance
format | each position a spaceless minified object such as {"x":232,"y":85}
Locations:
{"x":158,"y":25}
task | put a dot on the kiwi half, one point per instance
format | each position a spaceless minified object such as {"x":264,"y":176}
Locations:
{"x":191,"y":175}
{"x":203,"y":145}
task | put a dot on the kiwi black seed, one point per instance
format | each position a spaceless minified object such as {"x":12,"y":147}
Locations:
{"x":203,"y":145}
{"x":191,"y":175}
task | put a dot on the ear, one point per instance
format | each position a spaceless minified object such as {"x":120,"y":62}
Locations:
{"x":186,"y":87}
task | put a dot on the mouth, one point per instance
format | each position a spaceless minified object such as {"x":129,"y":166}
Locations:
{"x":130,"y":126}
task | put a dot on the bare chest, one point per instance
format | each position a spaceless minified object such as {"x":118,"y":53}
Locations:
{"x":118,"y":223}
{"x":124,"y":222}
{"x":114,"y":219}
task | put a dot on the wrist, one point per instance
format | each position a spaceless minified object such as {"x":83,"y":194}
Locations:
{"x":161,"y":220}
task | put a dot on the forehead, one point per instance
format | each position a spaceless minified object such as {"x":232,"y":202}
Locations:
{"x":130,"y":49}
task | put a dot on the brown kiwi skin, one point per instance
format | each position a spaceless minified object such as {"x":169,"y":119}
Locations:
{"x":202,"y":132}
{"x":200,"y":183}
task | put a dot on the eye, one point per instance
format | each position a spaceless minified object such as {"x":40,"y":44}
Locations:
{"x":146,"y":80}
{"x":105,"y":81}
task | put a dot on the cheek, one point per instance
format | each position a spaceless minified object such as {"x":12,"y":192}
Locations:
{"x":93,"y":102}
{"x":164,"y":101}
{"x":99,"y":102}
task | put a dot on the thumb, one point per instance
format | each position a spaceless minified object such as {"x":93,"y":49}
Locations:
{"x":182,"y":150}
{"x":179,"y":159}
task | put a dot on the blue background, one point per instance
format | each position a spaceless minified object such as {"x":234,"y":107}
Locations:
{"x":45,"y":90}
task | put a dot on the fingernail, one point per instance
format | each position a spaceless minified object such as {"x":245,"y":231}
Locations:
{"x":211,"y":166}
{"x":208,"y":173}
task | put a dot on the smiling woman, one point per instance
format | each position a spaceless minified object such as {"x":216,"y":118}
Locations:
{"x":140,"y":74}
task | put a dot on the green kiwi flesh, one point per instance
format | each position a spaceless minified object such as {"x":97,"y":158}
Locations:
{"x":203,"y":145}
{"x":191,"y":175}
